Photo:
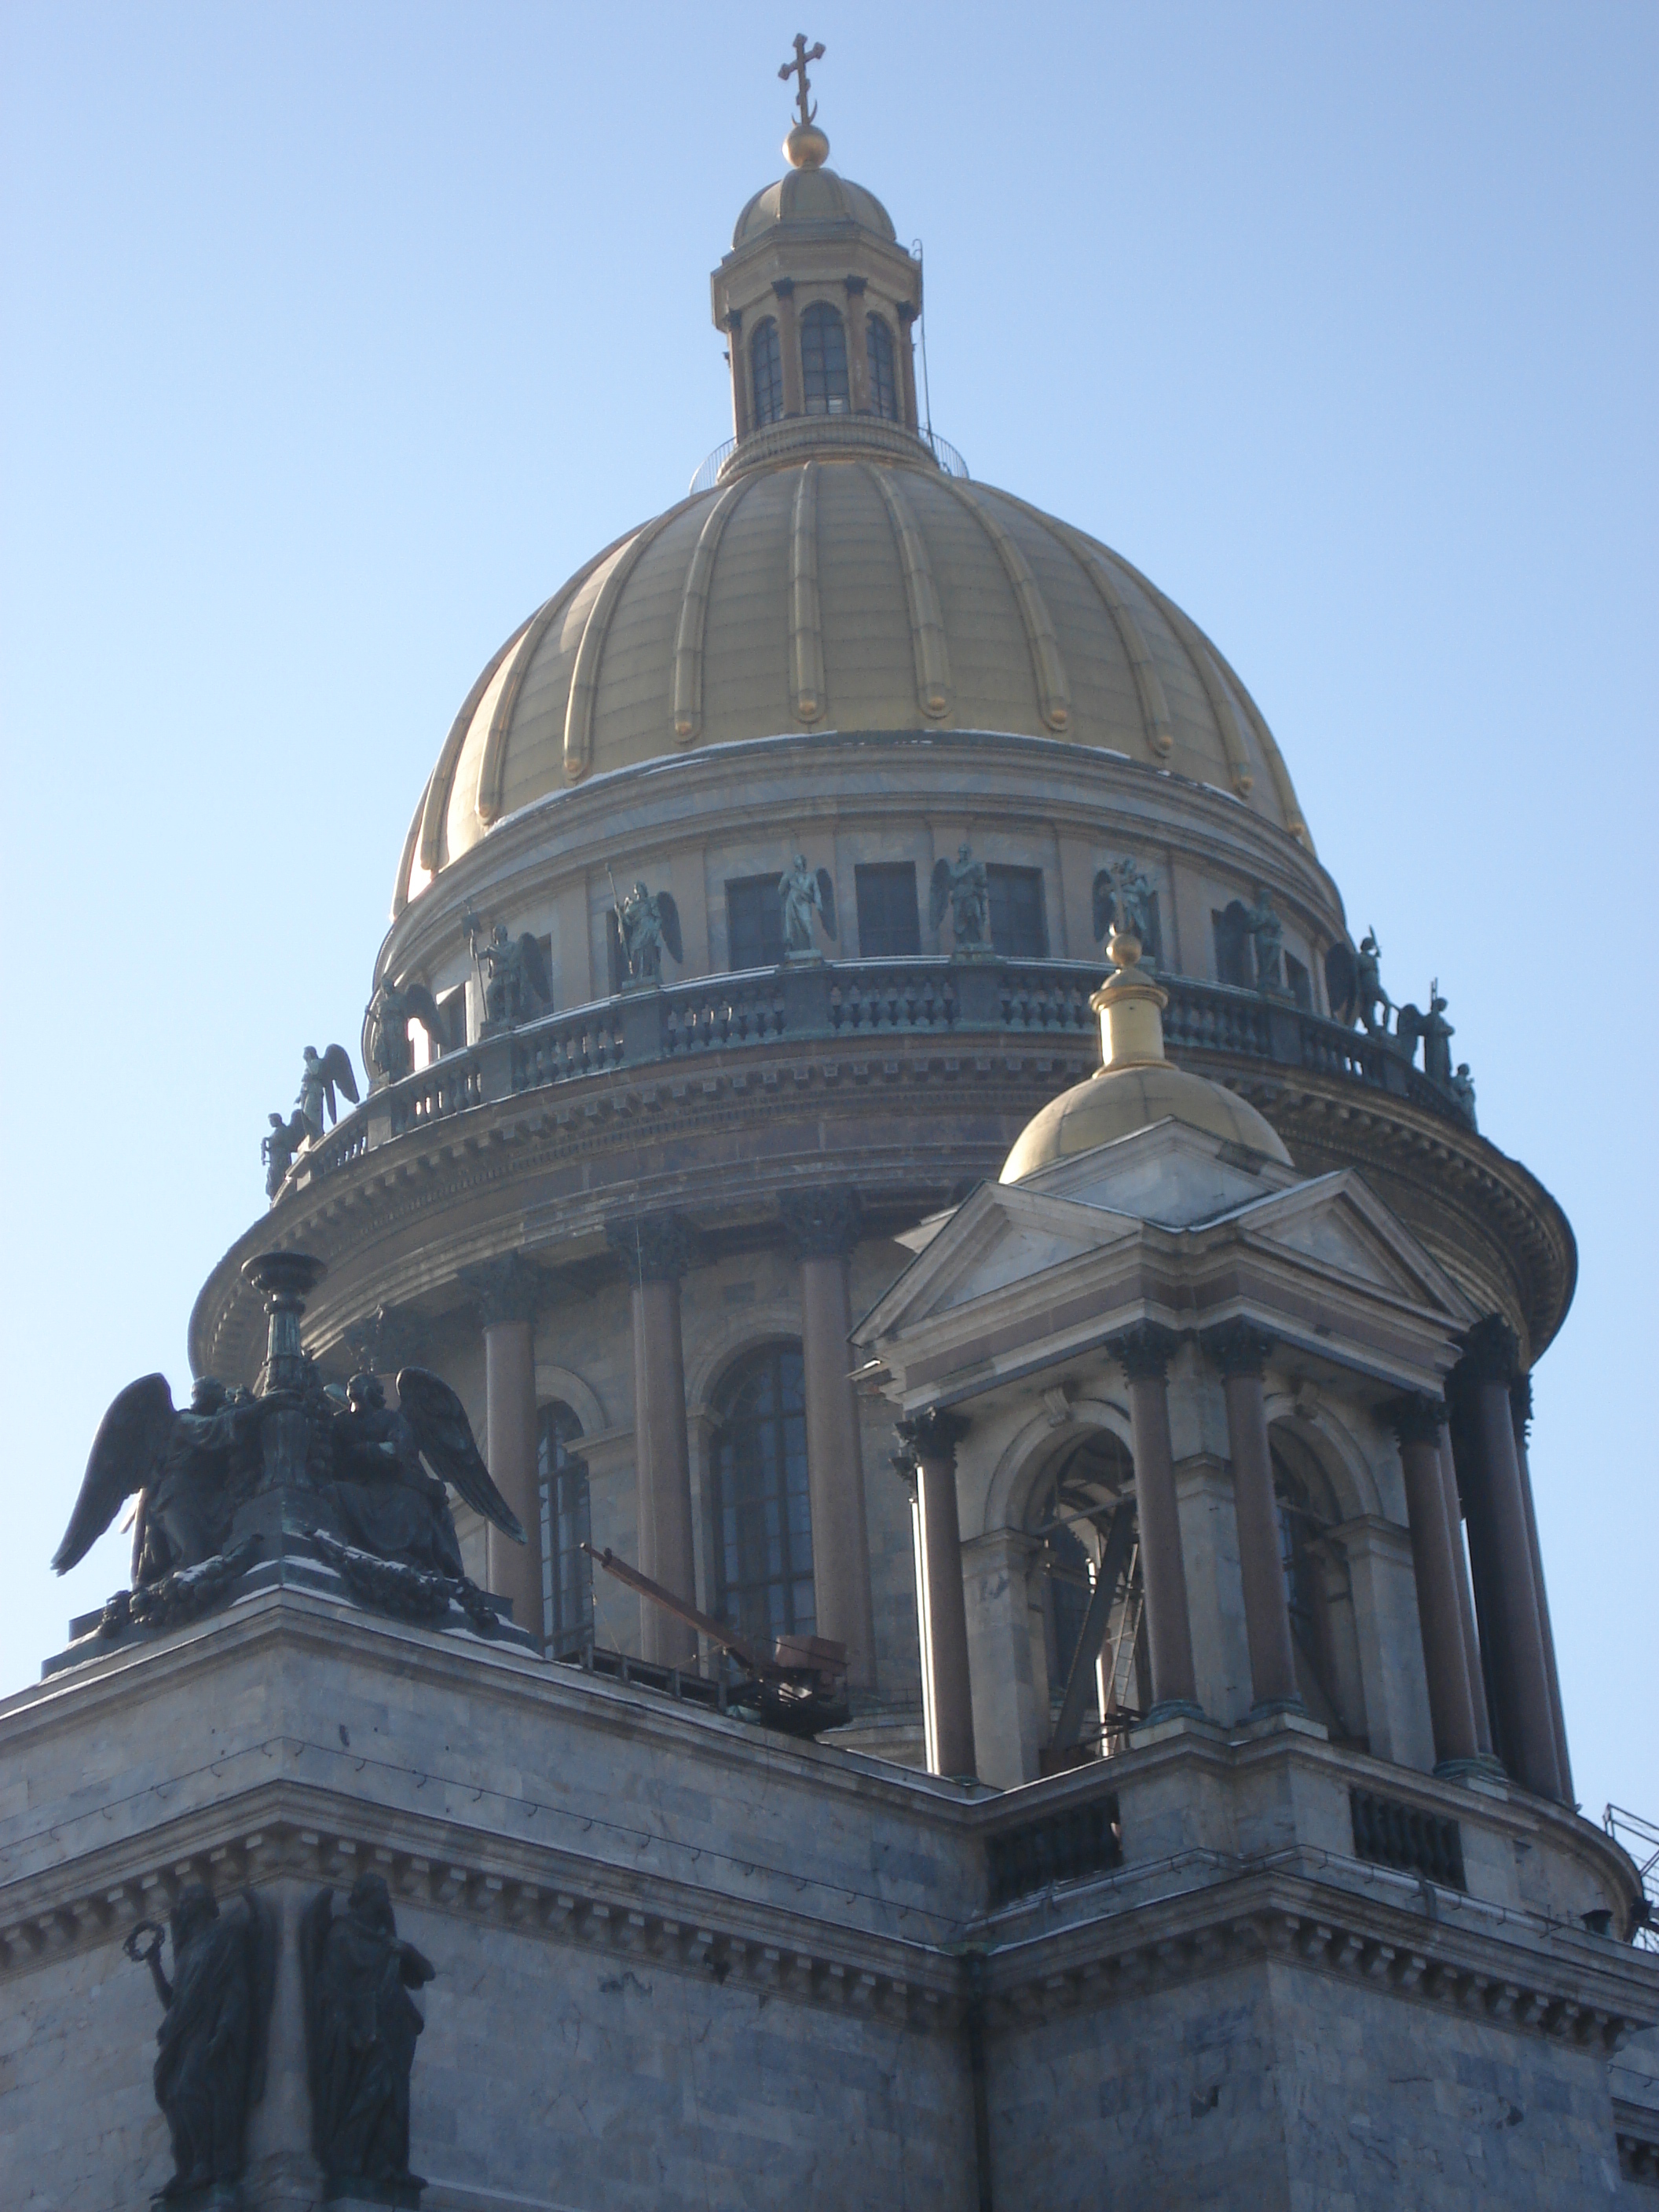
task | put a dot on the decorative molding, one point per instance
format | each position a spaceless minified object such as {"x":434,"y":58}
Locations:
{"x":823,"y":1224}
{"x":506,"y":1289}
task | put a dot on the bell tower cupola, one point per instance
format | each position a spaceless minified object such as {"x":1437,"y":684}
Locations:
{"x":818,"y":302}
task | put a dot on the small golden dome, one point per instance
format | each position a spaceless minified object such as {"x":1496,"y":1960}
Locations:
{"x":812,"y":194}
{"x":1118,"y":1101}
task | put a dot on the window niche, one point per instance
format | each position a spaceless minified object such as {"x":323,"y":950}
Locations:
{"x":1319,"y":1590}
{"x":1232,"y":945}
{"x":754,"y":922}
{"x":823,"y":360}
{"x":889,"y":920}
{"x":766,"y":374}
{"x":1019,"y":927}
{"x":762,"y":1526}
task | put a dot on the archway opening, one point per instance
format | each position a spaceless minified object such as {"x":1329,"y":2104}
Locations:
{"x":760,"y":1514}
{"x":567,"y":1571}
{"x":1091,"y":1665}
{"x":1318,"y":1589}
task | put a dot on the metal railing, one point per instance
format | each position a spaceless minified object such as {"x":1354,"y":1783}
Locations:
{"x":1640,"y":1839}
{"x":706,"y":475}
{"x":848,"y":1003}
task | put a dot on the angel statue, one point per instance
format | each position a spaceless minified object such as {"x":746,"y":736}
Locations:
{"x":1123,"y":899}
{"x":277,"y":1150}
{"x":648,"y":922}
{"x":189,"y":1466}
{"x":216,"y":2014}
{"x":801,"y":892}
{"x":1266,"y":933}
{"x":1369,"y":994}
{"x":361,"y":2026}
{"x":512,"y":972}
{"x":387,"y":1051}
{"x":318,"y":1081}
{"x":387,"y":1502}
{"x":963,"y":887}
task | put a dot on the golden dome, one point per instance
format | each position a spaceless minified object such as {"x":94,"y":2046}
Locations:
{"x":1118,"y":1101}
{"x":812,"y":196}
{"x":838,"y":579}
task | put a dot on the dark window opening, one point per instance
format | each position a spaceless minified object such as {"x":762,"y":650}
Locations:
{"x":824,"y":360}
{"x":1232,"y":947}
{"x":567,"y":1571}
{"x":1299,"y":983}
{"x":754,"y":922}
{"x":890,"y":922}
{"x":766,"y":362}
{"x":1018,"y":930}
{"x":884,"y":379}
{"x":762,"y":1527}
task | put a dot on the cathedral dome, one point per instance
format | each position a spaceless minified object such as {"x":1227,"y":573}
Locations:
{"x":812,"y":196}
{"x":844,"y":583}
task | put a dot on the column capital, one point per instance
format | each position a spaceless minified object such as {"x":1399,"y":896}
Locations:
{"x":1146,"y":1350}
{"x":504,"y":1289}
{"x":784,"y":287}
{"x":1491,"y":1354}
{"x":1237,"y":1348}
{"x":383,"y":1340}
{"x":821,"y":1225}
{"x":932,"y":1435}
{"x":1415,"y":1419}
{"x":653,"y":1248}
{"x":1521,"y":1405}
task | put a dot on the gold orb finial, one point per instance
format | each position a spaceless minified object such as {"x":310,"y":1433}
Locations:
{"x":1130,"y":1005}
{"x":807,"y":146}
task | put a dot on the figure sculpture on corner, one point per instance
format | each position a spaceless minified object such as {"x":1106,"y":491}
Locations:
{"x":802,"y":894}
{"x":361,"y":2026}
{"x":963,"y":887}
{"x":211,"y":2056}
{"x":648,"y":922}
{"x":387,"y":1049}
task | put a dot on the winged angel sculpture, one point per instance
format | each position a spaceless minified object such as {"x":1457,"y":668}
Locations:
{"x":963,"y":887}
{"x":377,"y":1481}
{"x":803,"y":893}
{"x":385,"y":1028}
{"x":323,"y":1075}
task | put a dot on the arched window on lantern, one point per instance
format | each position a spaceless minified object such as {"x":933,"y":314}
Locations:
{"x":763,"y":1528}
{"x":1318,"y":1589}
{"x":766,"y":362}
{"x":567,"y":1571}
{"x":824,"y":360}
{"x":884,"y":373}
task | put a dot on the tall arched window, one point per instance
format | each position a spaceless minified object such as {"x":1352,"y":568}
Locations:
{"x":762,"y":1527}
{"x":1318,"y":1589}
{"x":824,"y":360}
{"x":767,"y":364}
{"x":883,"y":375}
{"x":1074,"y":1513}
{"x":567,"y":1571}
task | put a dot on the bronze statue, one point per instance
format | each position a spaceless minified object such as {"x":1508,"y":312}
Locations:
{"x":387,"y":1051}
{"x":1437,"y":1034}
{"x":184,"y":1465}
{"x":802,"y":894}
{"x":1370,"y":997}
{"x":277,"y":1150}
{"x":512,"y":974}
{"x":963,"y":887}
{"x":210,"y":2059}
{"x":1266,"y":933}
{"x":361,"y":2026}
{"x":322,"y":1072}
{"x":1462,"y":1090}
{"x":648,"y":922}
{"x":1123,"y":897}
{"x":385,"y":1501}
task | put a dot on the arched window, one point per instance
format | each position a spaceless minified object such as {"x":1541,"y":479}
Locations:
{"x":567,"y":1571}
{"x":1318,"y":1589}
{"x":762,"y":1527}
{"x":824,"y":360}
{"x":883,"y":376}
{"x":767,"y":364}
{"x":1076,"y":1514}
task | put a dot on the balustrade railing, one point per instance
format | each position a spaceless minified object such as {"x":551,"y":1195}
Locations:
{"x":847,"y":1001}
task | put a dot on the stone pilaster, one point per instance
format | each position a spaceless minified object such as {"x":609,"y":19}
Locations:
{"x":655,"y":1251}
{"x":1240,"y":1352}
{"x":858,"y":347}
{"x":1521,"y":1417}
{"x":1146,"y":1351}
{"x":929,"y":1458}
{"x":506,"y":1293}
{"x":823,"y":1227}
{"x":794,"y":396}
{"x":1417,"y":1422}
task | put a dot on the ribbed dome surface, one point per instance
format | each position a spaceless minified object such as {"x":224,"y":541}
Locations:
{"x":812,"y":196}
{"x":1118,"y":1101}
{"x":848,"y":592}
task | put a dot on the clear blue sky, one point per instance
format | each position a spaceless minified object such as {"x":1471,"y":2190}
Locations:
{"x":336,"y":336}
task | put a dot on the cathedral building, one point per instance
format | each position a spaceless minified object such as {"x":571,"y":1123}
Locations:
{"x":875,"y":1112}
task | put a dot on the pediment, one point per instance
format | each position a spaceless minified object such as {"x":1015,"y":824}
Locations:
{"x":1170,"y":1173}
{"x":1337,"y":1223}
{"x":1001,"y":1236}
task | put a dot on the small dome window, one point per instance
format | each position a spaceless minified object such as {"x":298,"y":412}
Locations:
{"x":883,"y":380}
{"x":767,"y":362}
{"x":824,"y":360}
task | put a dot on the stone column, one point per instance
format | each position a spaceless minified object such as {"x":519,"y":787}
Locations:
{"x":1239,"y":1352}
{"x":1146,"y":1350}
{"x":1521,"y":1413}
{"x":1472,"y":1661}
{"x":928,"y":1456}
{"x":506,"y":1292}
{"x":795,"y":391}
{"x":1417,"y":1423}
{"x":823,"y":1228}
{"x":858,"y":347}
{"x":743,"y":391}
{"x":907,"y":366}
{"x":655,"y":1252}
{"x":1489,"y":1477}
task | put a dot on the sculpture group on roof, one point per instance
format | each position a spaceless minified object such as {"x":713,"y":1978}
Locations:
{"x":321,"y":1076}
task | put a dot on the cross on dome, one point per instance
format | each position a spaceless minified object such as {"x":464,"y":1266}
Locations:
{"x":807,"y":146}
